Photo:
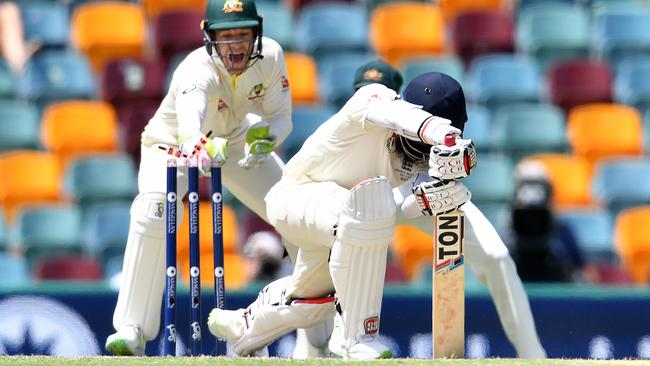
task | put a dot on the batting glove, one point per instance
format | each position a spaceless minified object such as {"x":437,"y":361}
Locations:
{"x":435,"y":197}
{"x":452,"y":162}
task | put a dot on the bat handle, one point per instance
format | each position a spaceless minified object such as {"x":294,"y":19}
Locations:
{"x":450,"y":140}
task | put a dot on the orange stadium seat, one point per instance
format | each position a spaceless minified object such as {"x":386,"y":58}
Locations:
{"x":600,"y":130}
{"x":401,"y":30}
{"x":413,"y":249}
{"x":632,"y":241}
{"x":235,"y":274}
{"x":570,"y":176}
{"x":28,"y":177}
{"x":303,"y":77}
{"x":77,"y":127}
{"x":107,"y":30}
{"x":452,"y":8}
{"x":154,"y":8}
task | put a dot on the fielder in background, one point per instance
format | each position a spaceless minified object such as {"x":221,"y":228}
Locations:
{"x":237,"y":87}
{"x":336,"y":198}
{"x":485,"y":253}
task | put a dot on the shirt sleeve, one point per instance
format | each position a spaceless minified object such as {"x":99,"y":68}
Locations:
{"x":192,"y":92}
{"x":277,"y":105}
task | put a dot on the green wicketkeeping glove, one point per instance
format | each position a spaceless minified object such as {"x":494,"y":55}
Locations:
{"x":259,"y":144}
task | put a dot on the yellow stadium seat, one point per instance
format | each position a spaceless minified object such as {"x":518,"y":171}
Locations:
{"x":78,"y":127}
{"x":28,"y":177}
{"x":451,"y":8}
{"x":412,"y":248}
{"x":154,"y":8}
{"x":108,"y":30}
{"x":632,"y":241}
{"x":402,"y":30}
{"x":303,"y":77}
{"x":604,"y":130}
{"x":570,"y":176}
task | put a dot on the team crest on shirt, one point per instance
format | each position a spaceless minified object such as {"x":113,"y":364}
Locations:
{"x":285,"y":83}
{"x":256,"y":92}
{"x":230,"y":6}
{"x":222,"y":104}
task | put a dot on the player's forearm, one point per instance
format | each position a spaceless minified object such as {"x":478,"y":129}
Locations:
{"x":190,"y":113}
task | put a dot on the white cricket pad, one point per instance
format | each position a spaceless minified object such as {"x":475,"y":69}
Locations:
{"x":143,"y":271}
{"x":271,"y":316}
{"x":358,"y":258}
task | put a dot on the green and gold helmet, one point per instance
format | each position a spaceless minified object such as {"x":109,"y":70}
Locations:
{"x":231,"y":14}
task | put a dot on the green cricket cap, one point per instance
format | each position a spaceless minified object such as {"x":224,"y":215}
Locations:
{"x":377,"y":71}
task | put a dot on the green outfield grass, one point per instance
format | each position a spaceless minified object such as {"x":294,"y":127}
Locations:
{"x":218,"y":361}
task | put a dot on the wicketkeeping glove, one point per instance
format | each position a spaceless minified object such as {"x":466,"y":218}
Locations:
{"x":206,"y":150}
{"x":452,"y":162}
{"x":436,"y":197}
{"x":259,"y":144}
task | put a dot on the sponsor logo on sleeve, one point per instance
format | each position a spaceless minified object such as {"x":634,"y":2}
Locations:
{"x":285,"y":83}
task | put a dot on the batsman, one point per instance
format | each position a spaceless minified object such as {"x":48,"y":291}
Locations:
{"x":335,"y":198}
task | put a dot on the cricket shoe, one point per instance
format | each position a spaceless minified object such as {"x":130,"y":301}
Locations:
{"x":128,"y":341}
{"x":304,"y":349}
{"x":366,"y":348}
{"x":230,"y":325}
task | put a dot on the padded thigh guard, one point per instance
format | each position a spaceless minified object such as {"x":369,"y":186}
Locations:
{"x":271,"y":316}
{"x":358,"y":260}
{"x":143,"y":271}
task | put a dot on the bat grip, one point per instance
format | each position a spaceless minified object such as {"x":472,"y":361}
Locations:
{"x":450,"y":140}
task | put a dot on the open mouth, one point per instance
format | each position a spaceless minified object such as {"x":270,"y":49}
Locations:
{"x":236,"y":58}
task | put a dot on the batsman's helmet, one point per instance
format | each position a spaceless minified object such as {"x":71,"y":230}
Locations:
{"x":442,"y":96}
{"x":231,"y":14}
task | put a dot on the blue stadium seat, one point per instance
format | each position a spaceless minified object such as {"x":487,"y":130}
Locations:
{"x":598,"y":6}
{"x":619,"y":33}
{"x":106,"y":230}
{"x":525,"y":129}
{"x":57,"y":75}
{"x":278,"y":22}
{"x":479,"y":128}
{"x":593,"y":229}
{"x":47,"y":22}
{"x":553,"y":32}
{"x":14,"y":270}
{"x":492,"y":187}
{"x":101,"y":178}
{"x":7,"y":81}
{"x":632,"y":82}
{"x":19,"y":126}
{"x":46,"y":230}
{"x":336,"y":76}
{"x":327,"y":29}
{"x":4,"y":235}
{"x":621,"y":183}
{"x":306,"y":119}
{"x":498,"y":79}
{"x":449,"y":64}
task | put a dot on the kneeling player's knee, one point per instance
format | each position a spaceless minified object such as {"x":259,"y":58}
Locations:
{"x":148,"y":214}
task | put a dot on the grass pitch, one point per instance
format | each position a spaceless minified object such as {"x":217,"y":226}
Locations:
{"x":224,"y":361}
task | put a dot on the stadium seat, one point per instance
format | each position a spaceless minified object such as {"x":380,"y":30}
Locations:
{"x":598,"y":6}
{"x":14,"y":270}
{"x":491,"y":180}
{"x":46,"y":21}
{"x":297,"y":5}
{"x":372,"y":4}
{"x":100,"y":178}
{"x":57,"y":75}
{"x":576,"y":82}
{"x":620,"y":33}
{"x":552,"y":32}
{"x":154,"y":8}
{"x":498,"y":79}
{"x":133,"y":118}
{"x":132,"y":80}
{"x":480,"y":32}
{"x":479,"y":128}
{"x":632,"y":242}
{"x":412,"y":248}
{"x":570,"y":176}
{"x":306,"y":120}
{"x":602,"y":130}
{"x":632,"y":82}
{"x":278,"y":22}
{"x":76,"y":127}
{"x":622,"y":182}
{"x":108,"y":30}
{"x":4,"y":232}
{"x":451,"y":65}
{"x":8,"y":83}
{"x":404,"y":30}
{"x":336,"y":76}
{"x":46,"y":230}
{"x":22,"y":184}
{"x":303,"y":77}
{"x":178,"y":32}
{"x":593,"y":229}
{"x":106,"y":229}
{"x":19,"y":126}
{"x":68,"y":268}
{"x":524,"y":129}
{"x":320,"y":32}
{"x":451,"y":9}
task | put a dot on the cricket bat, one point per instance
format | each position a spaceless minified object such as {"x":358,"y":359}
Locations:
{"x":448,"y":283}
